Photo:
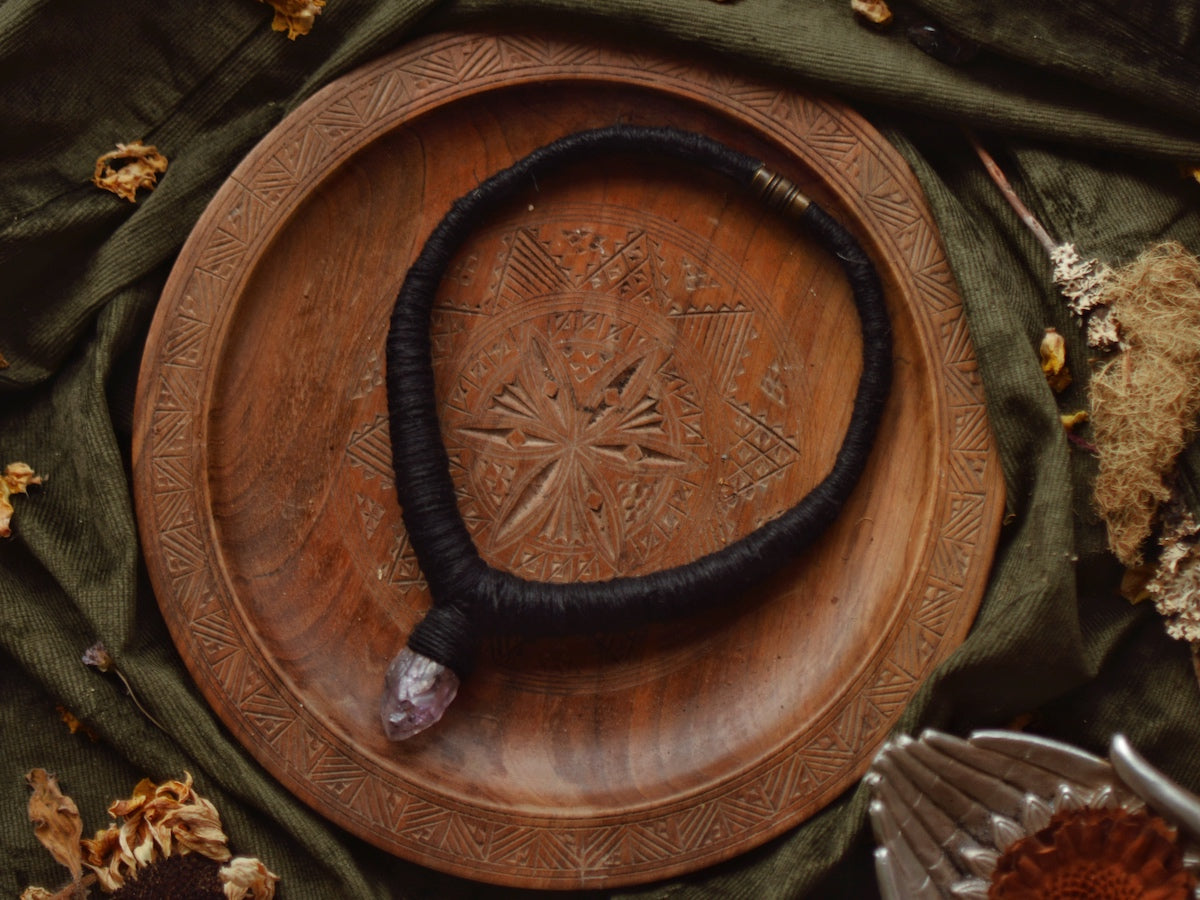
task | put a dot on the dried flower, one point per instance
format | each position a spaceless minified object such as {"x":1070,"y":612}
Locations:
{"x":248,"y":877}
{"x":98,"y":657}
{"x":168,"y":842}
{"x":1053,"y":352}
{"x":1081,"y":281}
{"x":56,"y":821}
{"x":16,"y":480}
{"x":296,"y":17}
{"x":73,"y":724}
{"x":873,"y":12}
{"x":139,"y":167}
{"x":1104,"y":854}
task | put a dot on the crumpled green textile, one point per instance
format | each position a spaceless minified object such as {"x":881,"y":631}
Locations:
{"x":1091,"y":106}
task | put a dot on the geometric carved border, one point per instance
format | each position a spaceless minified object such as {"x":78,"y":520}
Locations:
{"x":318,"y":764}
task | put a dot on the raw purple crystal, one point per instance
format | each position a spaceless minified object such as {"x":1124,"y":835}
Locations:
{"x":416,"y":692}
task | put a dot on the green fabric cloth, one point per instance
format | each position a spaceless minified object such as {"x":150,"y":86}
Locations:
{"x":1092,"y":104}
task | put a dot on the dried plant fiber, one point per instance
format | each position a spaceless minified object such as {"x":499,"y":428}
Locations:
{"x":1146,"y":399}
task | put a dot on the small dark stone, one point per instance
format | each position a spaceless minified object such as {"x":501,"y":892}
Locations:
{"x":187,"y":877}
{"x":943,"y":45}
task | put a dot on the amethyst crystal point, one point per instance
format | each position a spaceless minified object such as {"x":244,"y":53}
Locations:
{"x":416,"y":692}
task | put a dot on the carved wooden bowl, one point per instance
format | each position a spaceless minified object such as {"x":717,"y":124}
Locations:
{"x":729,"y":344}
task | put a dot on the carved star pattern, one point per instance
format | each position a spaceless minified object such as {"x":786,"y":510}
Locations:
{"x":573,"y":435}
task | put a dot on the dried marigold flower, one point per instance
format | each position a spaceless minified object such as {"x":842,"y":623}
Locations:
{"x":138,"y":166}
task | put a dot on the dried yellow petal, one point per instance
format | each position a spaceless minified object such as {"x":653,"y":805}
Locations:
{"x":1054,"y":360}
{"x":874,"y":12}
{"x":138,"y":166}
{"x":102,"y":854}
{"x":296,"y":17}
{"x":74,"y":725}
{"x":1070,"y":420}
{"x":247,"y":877}
{"x":1135,"y":584}
{"x":16,"y":479}
{"x":56,"y":821}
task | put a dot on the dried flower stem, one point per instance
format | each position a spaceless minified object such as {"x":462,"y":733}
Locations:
{"x":1002,"y":182}
{"x":136,"y":701}
{"x":1082,"y":282}
{"x":98,"y":657}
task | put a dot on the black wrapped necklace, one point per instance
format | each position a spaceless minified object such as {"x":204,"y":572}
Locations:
{"x":472,"y":599}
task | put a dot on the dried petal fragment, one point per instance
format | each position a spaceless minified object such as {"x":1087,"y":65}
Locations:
{"x":1053,"y":352}
{"x":1070,"y":420}
{"x":1135,"y":584}
{"x":873,"y":12}
{"x":17,"y":478}
{"x":248,"y":877}
{"x":140,"y":166}
{"x":56,"y":821}
{"x":73,"y":724}
{"x":102,"y":854}
{"x":296,"y":17}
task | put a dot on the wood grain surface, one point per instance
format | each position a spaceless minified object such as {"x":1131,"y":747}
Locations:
{"x":727,"y":343}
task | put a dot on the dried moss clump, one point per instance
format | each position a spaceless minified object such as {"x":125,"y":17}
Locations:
{"x":1146,"y":399}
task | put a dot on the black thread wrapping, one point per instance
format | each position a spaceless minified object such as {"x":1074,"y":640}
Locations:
{"x":472,"y":599}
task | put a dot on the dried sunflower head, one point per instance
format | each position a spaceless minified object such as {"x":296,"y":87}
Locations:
{"x":1105,"y":854}
{"x":169,"y":842}
{"x":158,"y":820}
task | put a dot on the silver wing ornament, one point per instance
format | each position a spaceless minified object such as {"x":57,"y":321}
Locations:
{"x":1003,"y":814}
